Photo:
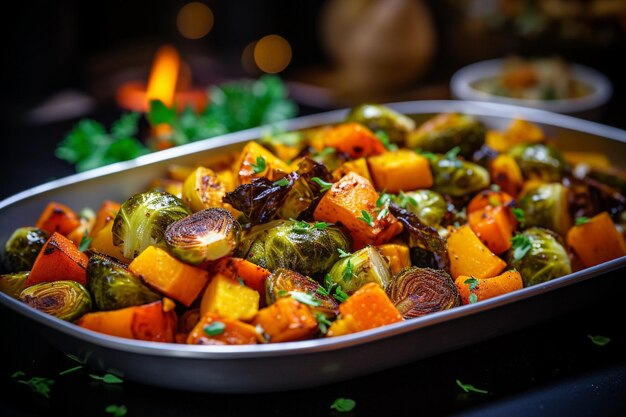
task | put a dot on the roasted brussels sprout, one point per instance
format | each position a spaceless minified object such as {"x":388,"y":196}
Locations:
{"x":544,"y":257}
{"x":206,"y":235}
{"x":67,"y":300}
{"x":13,"y":284}
{"x":23,"y":247}
{"x":113,"y":286}
{"x":539,"y":161}
{"x":419,"y":291}
{"x":546,"y":205}
{"x":456,"y":177}
{"x":283,"y":281}
{"x":430,"y":207}
{"x":143,"y":219}
{"x":377,"y":117}
{"x":310,"y":248}
{"x":446,"y":131}
{"x":363,"y":266}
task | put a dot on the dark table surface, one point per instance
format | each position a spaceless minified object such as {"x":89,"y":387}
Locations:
{"x":549,"y":369}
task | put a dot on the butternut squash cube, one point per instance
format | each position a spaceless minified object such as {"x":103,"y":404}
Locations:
{"x":402,"y":170}
{"x":286,"y":320}
{"x":230,"y":299}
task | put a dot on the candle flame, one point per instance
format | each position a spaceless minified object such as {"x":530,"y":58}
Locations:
{"x":163,"y":76}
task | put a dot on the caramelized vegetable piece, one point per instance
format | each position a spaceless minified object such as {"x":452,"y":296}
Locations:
{"x":366,"y":309}
{"x":494,"y":226}
{"x":445,"y":131}
{"x":519,"y":131}
{"x":168,"y":275}
{"x":363,"y":266}
{"x":87,"y":219}
{"x":173,"y":187}
{"x":376,"y":117}
{"x":506,"y":174}
{"x":256,"y":161}
{"x":215,"y":330}
{"x":252,"y":275}
{"x":13,"y":284}
{"x":484,"y":288}
{"x":105,"y":214}
{"x":397,"y":254}
{"x":229,"y":298}
{"x":67,"y":300}
{"x":345,"y":203}
{"x":489,"y":198}
{"x":402,"y":170}
{"x":419,"y":291}
{"x":286,"y":320}
{"x":102,"y":242}
{"x":58,"y":218}
{"x":358,"y":166}
{"x":354,"y":139}
{"x":469,"y":256}
{"x":23,"y":246}
{"x":145,"y":322}
{"x":59,"y":259}
{"x":203,"y":189}
{"x":597,"y":240}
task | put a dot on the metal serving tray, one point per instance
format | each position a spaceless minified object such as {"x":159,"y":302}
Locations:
{"x":284,"y":366}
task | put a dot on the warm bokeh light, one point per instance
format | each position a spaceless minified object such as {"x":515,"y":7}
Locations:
{"x":164,"y":75}
{"x":194,"y":20}
{"x":247,"y":59}
{"x":272,"y":53}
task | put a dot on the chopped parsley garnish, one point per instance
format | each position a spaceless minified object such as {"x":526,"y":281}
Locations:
{"x":322,"y":291}
{"x":282,"y":182}
{"x":582,"y":220}
{"x":348,"y":273}
{"x":84,"y":242}
{"x":38,"y":384}
{"x":70,"y":370}
{"x":325,"y":186}
{"x":107,"y":378}
{"x":404,"y":200}
{"x":521,"y":246}
{"x":599,"y":340}
{"x":300,"y":226}
{"x":260,"y":165}
{"x":322,"y":322}
{"x":472,"y":282}
{"x":470,"y":388}
{"x":305,"y":298}
{"x":428,"y":155}
{"x":215,"y":328}
{"x":343,"y":405}
{"x":473,"y":298}
{"x":384,"y":200}
{"x":321,"y":225}
{"x":116,"y":410}
{"x":519,"y":215}
{"x":367,"y":218}
{"x":343,"y":253}
{"x":340,"y":295}
{"x":282,"y":293}
{"x":382,"y":213}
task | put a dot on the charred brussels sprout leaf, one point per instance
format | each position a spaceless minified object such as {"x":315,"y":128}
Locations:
{"x":67,"y":300}
{"x":419,"y":291}
{"x":363,"y":266}
{"x":456,"y":177}
{"x":282,"y":282}
{"x":376,"y":117}
{"x":546,"y":259}
{"x":546,"y":205}
{"x":204,"y":236}
{"x":23,"y":247}
{"x":430,"y":207}
{"x":305,"y":189}
{"x":259,"y":200}
{"x":286,"y":244}
{"x":13,"y":284}
{"x":539,"y":161}
{"x":143,"y":219}
{"x":113,"y":286}
{"x":446,"y":131}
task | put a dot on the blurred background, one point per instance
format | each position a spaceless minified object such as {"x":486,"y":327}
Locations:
{"x":69,"y":60}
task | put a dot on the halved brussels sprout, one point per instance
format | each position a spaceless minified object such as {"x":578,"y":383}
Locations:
{"x":539,"y":161}
{"x":546,"y":205}
{"x":310,"y":248}
{"x":446,"y":131}
{"x":67,"y":300}
{"x":545,"y":259}
{"x":143,"y":219}
{"x":283,"y":281}
{"x":430,"y":206}
{"x":13,"y":284}
{"x":363,"y":266}
{"x":206,"y":235}
{"x":456,"y":177}
{"x":376,"y":117}
{"x":419,"y":291}
{"x":113,"y":286}
{"x":23,"y":247}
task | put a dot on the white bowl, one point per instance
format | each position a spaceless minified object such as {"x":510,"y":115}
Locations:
{"x":462,"y":82}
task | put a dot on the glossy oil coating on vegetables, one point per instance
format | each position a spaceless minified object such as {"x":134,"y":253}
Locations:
{"x":324,"y":232}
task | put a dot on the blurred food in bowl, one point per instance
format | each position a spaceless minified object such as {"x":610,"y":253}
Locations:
{"x":546,"y":83}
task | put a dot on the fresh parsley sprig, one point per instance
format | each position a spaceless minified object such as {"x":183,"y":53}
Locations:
{"x":521,"y":246}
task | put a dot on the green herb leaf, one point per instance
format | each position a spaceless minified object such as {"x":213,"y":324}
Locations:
{"x":260,"y":165}
{"x":325,"y":186}
{"x":519,"y":215}
{"x":340,"y":295}
{"x":348,"y":273}
{"x":343,"y":405}
{"x":384,"y":200}
{"x":241,"y":281}
{"x":322,"y":291}
{"x":300,"y":226}
{"x":329,"y":283}
{"x":84,"y":242}
{"x":521,"y":246}
{"x":472,"y":282}
{"x":470,"y":388}
{"x":322,"y":322}
{"x":116,"y":410}
{"x":75,"y":358}
{"x":382,"y":213}
{"x":582,"y":220}
{"x":428,"y":155}
{"x":473,"y":298}
{"x":39,"y":385}
{"x":305,"y":298}
{"x":18,"y":373}
{"x":343,"y":253}
{"x":384,"y":139}
{"x":367,"y":218}
{"x":70,"y":370}
{"x":215,"y":328}
{"x":282,"y":293}
{"x":107,"y":378}
{"x":282,"y":182}
{"x":159,"y":113}
{"x":321,"y":225}
{"x":599,"y":340}
{"x":453,"y":153}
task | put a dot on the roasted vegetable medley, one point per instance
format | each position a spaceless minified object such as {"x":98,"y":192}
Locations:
{"x":325,"y":232}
